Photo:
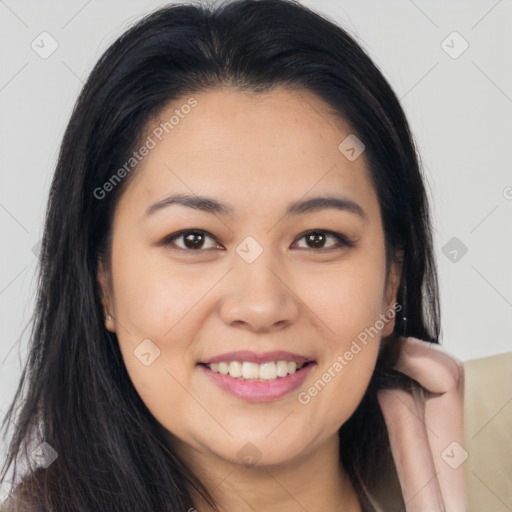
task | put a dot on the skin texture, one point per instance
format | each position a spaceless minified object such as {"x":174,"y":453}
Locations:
{"x":258,"y":153}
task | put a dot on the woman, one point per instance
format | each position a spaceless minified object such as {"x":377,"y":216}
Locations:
{"x":238,"y":304}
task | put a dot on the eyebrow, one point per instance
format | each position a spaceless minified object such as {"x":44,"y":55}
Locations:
{"x":210,"y":205}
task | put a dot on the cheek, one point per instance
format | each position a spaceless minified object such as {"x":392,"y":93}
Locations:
{"x":348,"y":302}
{"x":151,"y":296}
{"x":154,"y":302}
{"x":347,"y":297}
{"x":164,"y":391}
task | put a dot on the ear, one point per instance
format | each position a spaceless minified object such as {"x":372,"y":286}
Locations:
{"x":105,"y":287}
{"x":391,"y":292}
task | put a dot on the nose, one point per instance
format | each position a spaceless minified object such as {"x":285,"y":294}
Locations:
{"x":259,"y":298}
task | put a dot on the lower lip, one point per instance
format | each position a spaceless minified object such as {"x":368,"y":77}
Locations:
{"x":255,"y":391}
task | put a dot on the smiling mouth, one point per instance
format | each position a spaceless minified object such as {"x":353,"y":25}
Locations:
{"x":254,"y":372}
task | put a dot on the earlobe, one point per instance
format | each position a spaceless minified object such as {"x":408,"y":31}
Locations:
{"x":105,"y":288}
{"x":391,"y":295}
{"x":393,"y":283}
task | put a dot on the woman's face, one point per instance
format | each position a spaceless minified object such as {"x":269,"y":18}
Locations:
{"x":265,"y":284}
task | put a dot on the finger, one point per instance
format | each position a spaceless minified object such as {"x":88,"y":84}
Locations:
{"x":429,"y":365}
{"x":411,"y":451}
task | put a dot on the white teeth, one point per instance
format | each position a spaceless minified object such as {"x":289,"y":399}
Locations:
{"x":282,"y":369}
{"x":268,"y":371}
{"x":224,"y":368}
{"x":235,"y":369}
{"x":250,"y":370}
{"x":253,"y":371}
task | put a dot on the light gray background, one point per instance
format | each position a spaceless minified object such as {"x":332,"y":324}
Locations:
{"x":460,"y":110}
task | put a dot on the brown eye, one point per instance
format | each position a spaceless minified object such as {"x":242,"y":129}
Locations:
{"x":192,"y":240}
{"x":316,"y":240}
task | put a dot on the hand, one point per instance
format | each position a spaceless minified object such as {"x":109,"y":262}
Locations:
{"x":422,"y":424}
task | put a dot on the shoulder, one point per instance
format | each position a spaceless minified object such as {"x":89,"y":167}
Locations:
{"x":487,"y":432}
{"x":16,"y":503}
{"x":9,"y":505}
{"x":27,"y":494}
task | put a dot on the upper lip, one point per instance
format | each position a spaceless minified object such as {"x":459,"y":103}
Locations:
{"x":260,"y":358}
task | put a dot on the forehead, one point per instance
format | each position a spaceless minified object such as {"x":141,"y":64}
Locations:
{"x":249,"y":147}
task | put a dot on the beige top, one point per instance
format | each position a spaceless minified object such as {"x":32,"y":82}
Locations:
{"x":488,"y":433}
{"x":487,"y":439}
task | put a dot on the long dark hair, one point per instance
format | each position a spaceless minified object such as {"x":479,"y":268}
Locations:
{"x":75,"y":393}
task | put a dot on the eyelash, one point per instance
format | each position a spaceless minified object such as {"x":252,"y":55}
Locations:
{"x":342,"y":240}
